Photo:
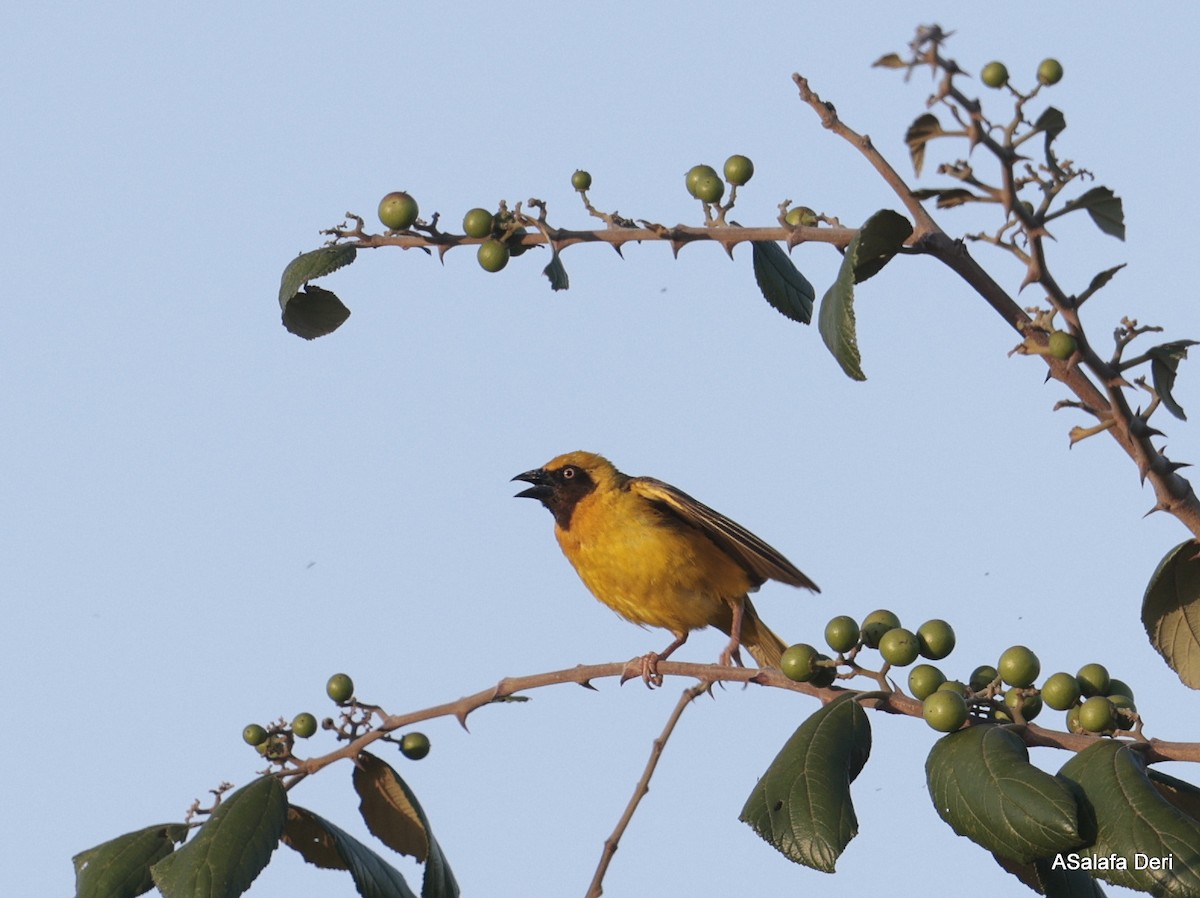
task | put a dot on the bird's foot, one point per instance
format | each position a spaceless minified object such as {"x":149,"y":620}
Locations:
{"x":731,"y":656}
{"x":645,"y":667}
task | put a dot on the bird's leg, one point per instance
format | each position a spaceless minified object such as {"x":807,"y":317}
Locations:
{"x":649,"y":662}
{"x":731,"y":654}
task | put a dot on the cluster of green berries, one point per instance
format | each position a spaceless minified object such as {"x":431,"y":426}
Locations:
{"x":995,"y":74}
{"x":1094,"y":701}
{"x":880,"y":630}
{"x":275,"y":744}
{"x":703,"y":182}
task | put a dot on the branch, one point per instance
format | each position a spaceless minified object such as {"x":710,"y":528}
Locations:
{"x":595,"y":889}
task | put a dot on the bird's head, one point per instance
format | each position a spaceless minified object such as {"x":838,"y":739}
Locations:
{"x":563,"y":481}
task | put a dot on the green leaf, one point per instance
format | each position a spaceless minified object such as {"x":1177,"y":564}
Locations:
{"x":781,"y":283}
{"x":556,"y":273}
{"x":1053,"y":881}
{"x":1182,"y":794}
{"x":880,"y":238}
{"x":1134,"y":822}
{"x":802,"y":806}
{"x":984,"y":787}
{"x":231,"y":848}
{"x":835,"y":320}
{"x":1100,"y":280}
{"x":1052,"y":122}
{"x":1105,"y":208}
{"x":310,"y":266}
{"x":120,"y":867}
{"x":394,"y":816}
{"x":314,"y":312}
{"x":1164,"y":361}
{"x":324,"y":845}
{"x":1171,"y":611}
{"x":923,"y":129}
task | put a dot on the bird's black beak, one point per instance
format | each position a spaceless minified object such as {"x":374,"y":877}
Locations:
{"x":541,"y":489}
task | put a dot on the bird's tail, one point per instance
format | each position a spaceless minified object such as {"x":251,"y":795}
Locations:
{"x":763,"y":645}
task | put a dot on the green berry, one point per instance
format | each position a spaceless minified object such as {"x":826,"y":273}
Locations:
{"x":1030,"y":705}
{"x":478,"y":222}
{"x":877,"y":623}
{"x":1093,"y":679}
{"x":304,"y":725}
{"x":937,"y":639}
{"x":1050,"y":71}
{"x":1061,"y":345}
{"x":1019,"y":666}
{"x":801,"y":216}
{"x":1061,"y":691}
{"x":994,"y":74}
{"x":738,"y":170}
{"x":1097,"y":715}
{"x":695,"y":173}
{"x":397,"y":211}
{"x":414,"y":746}
{"x":924,"y":680}
{"x":797,"y":662}
{"x":1073,"y":725}
{"x":841,"y":633}
{"x":709,"y":188}
{"x":493,"y":255}
{"x":254,"y":734}
{"x":899,"y":647}
{"x":823,"y":674}
{"x":581,"y":180}
{"x":982,"y":677}
{"x":954,"y":686}
{"x":1118,"y":687}
{"x":340,"y":688}
{"x":945,"y":711}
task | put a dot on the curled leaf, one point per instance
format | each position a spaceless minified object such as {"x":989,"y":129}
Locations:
{"x":1171,"y":611}
{"x":923,"y":129}
{"x":801,"y":805}
{"x":324,"y":845}
{"x":1104,"y":207}
{"x":984,"y":787}
{"x":1164,"y":362}
{"x":314,"y":312}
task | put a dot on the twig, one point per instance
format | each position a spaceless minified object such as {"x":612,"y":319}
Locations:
{"x":595,"y":889}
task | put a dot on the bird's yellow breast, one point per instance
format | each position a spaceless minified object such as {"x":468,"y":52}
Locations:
{"x":647,"y":566}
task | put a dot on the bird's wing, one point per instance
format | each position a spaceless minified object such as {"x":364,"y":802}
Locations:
{"x":760,"y":559}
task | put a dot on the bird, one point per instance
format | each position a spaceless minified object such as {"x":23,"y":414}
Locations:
{"x":659,"y":558}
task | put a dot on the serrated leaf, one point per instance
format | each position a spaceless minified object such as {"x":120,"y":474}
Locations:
{"x":556,"y":273}
{"x":314,"y":312}
{"x":120,"y":867}
{"x":889,"y":61}
{"x":923,"y":129}
{"x":231,"y":848}
{"x":801,"y":805}
{"x":1052,"y":122}
{"x":394,"y":816}
{"x":984,"y":787}
{"x":947,"y":197}
{"x":1164,"y":362}
{"x":1171,"y":611}
{"x":1104,"y":207}
{"x":324,"y":845}
{"x":880,"y":238}
{"x":835,"y":320}
{"x":781,"y":283}
{"x":310,"y":266}
{"x":1134,"y":820}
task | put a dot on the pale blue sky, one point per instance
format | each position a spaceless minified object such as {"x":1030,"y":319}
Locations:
{"x":176,"y":460}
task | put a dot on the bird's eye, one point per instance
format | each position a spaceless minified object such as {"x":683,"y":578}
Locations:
{"x":568,"y":472}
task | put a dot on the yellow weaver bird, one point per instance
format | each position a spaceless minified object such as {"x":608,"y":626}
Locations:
{"x":660,"y":558}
